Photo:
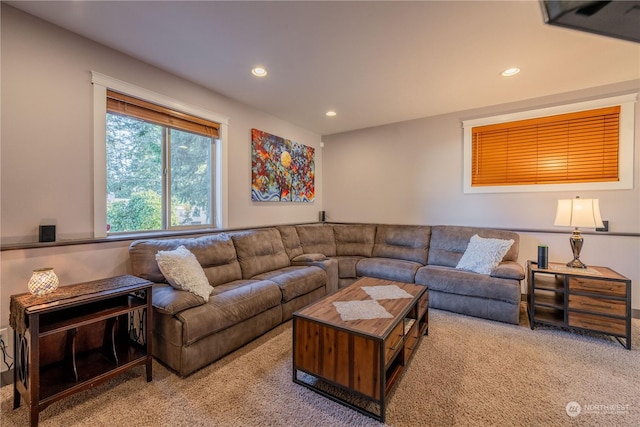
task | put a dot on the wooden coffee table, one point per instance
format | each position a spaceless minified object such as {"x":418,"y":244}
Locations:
{"x":358,"y":362}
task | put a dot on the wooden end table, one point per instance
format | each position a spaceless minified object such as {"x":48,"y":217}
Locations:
{"x":78,"y":337}
{"x":362,"y":358}
{"x":595,"y":299}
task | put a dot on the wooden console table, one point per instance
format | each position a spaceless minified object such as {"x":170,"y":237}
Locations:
{"x":78,"y":337}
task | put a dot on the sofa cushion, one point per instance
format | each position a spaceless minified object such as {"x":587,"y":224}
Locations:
{"x":317,"y":238}
{"x":169,"y":300}
{"x":295,"y":281}
{"x":183,"y":271}
{"x":387,"y":268}
{"x":483,"y":255}
{"x":449,"y":242}
{"x":143,"y":257}
{"x":354,"y":239}
{"x":217,"y":256}
{"x":215,"y":253}
{"x":259,"y":251}
{"x":290,"y":240}
{"x":228,"y":305}
{"x":485,"y":308}
{"x":406,"y":242}
{"x":452,"y":281}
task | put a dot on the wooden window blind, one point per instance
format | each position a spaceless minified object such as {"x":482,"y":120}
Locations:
{"x":118,"y":103}
{"x":567,"y":148}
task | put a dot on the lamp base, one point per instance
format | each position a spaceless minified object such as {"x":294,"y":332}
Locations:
{"x":576,"y":263}
{"x":576,"y":246}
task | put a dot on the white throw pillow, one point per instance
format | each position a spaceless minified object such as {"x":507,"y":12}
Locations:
{"x":483,"y":255}
{"x":183,"y":271}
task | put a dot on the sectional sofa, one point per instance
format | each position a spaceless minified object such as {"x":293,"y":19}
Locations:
{"x":260,"y":277}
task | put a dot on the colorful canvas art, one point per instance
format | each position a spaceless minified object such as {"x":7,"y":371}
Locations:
{"x":281,"y":170}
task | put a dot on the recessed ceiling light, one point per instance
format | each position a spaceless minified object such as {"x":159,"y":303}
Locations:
{"x":259,"y":72}
{"x":331,"y":113}
{"x":511,"y":72}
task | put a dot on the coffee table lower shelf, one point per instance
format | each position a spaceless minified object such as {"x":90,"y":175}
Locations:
{"x":343,"y":395}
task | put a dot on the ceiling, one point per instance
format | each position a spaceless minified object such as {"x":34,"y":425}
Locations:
{"x":372,"y":62}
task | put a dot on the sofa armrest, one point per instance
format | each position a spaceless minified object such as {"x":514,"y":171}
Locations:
{"x":329,"y":265}
{"x":171,"y":301}
{"x":305,"y":258}
{"x":508,"y":270}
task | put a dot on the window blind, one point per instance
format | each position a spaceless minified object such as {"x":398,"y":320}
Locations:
{"x":118,"y":103}
{"x":567,"y":148}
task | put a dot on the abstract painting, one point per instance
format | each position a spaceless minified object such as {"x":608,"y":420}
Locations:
{"x":281,"y":170}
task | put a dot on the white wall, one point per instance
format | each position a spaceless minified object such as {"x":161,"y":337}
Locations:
{"x":47,"y":156}
{"x":411,"y":172}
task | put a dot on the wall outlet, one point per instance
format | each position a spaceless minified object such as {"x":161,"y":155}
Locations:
{"x":6,"y":349}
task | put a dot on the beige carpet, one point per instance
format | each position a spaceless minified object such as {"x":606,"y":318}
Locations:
{"x":466,"y":372}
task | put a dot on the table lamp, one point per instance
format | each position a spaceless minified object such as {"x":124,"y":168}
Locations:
{"x":43,"y":281}
{"x":578,"y":213}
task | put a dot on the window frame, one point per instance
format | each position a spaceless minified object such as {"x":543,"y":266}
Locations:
{"x":625,"y":154}
{"x":101,"y":83}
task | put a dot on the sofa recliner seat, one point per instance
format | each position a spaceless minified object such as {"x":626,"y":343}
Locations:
{"x":187,"y":336}
{"x":228,"y":305}
{"x":401,"y":249}
{"x":495,"y":296}
{"x":262,"y":256}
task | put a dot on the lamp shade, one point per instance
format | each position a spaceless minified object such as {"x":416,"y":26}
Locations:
{"x":43,"y":281}
{"x":578,"y":213}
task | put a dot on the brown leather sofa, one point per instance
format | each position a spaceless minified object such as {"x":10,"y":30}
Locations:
{"x":261,"y":276}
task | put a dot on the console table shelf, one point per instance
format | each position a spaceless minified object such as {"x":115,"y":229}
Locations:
{"x":89,"y":313}
{"x":595,"y":299}
{"x":78,"y":337}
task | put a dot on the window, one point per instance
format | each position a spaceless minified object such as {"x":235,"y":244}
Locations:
{"x":579,"y":149}
{"x":567,"y":148}
{"x":158,"y":162}
{"x":159,"y":167}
